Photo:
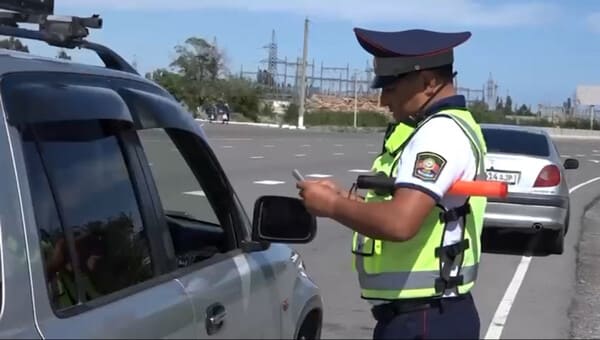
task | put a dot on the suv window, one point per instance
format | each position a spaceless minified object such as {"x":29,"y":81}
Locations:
{"x":178,"y":188}
{"x":93,"y":239}
{"x":516,"y":142}
{"x":199,"y":208}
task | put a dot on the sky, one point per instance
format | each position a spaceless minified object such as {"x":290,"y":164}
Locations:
{"x":537,"y":51}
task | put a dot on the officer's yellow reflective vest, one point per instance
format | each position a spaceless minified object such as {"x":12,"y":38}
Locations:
{"x":394,"y":141}
{"x":420,"y":267}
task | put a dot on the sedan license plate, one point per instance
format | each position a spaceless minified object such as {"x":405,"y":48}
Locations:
{"x":501,"y":176}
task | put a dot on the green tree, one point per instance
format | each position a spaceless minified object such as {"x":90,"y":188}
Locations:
{"x":198,"y":74}
{"x":13,"y":44}
{"x":198,"y":60}
{"x":524,"y":111}
{"x":508,"y":106}
{"x":171,"y":81}
{"x":499,"y":105}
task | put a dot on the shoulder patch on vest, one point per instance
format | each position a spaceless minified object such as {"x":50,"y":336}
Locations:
{"x":428,"y":166}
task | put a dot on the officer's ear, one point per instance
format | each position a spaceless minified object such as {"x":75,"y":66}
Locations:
{"x":430,"y":82}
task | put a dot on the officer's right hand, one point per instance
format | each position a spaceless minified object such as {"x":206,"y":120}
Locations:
{"x":334,"y":186}
{"x":330,"y":184}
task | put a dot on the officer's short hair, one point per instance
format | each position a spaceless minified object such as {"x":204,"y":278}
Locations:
{"x":445,"y":73}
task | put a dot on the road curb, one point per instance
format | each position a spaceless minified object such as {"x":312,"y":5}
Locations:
{"x":583,"y":313}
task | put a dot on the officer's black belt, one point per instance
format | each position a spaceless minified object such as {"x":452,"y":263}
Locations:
{"x":387,"y":311}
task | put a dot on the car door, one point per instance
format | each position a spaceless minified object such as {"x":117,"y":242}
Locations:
{"x":233,"y":292}
{"x":94,"y":268}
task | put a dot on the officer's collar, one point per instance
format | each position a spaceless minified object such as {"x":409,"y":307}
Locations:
{"x":451,"y":102}
{"x":396,"y":138}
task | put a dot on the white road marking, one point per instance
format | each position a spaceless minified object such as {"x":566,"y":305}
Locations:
{"x":231,"y":139}
{"x":499,"y":320}
{"x":580,"y":155}
{"x":196,"y":193}
{"x":338,"y":153}
{"x":370,"y":145}
{"x":318,"y":175}
{"x":594,"y":160}
{"x":373,"y":152}
{"x":269,"y":146}
{"x":359,"y":170}
{"x":565,"y":156}
{"x":257,"y":157}
{"x":338,"y":145}
{"x":227,"y":147}
{"x":268,"y":182}
{"x":305,"y":146}
{"x":596,"y":150}
{"x":300,"y":155}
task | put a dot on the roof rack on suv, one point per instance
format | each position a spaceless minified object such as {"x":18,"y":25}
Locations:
{"x":61,"y":31}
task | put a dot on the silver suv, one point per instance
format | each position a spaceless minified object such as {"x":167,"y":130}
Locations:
{"x":116,"y":218}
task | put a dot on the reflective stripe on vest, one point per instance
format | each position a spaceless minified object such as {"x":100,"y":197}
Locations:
{"x":407,"y":280}
{"x":386,"y":270}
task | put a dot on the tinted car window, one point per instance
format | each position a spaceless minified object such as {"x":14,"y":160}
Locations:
{"x":86,"y":211}
{"x":177,"y":185}
{"x":516,"y":142}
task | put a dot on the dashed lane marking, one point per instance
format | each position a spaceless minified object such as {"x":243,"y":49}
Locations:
{"x":227,"y":147}
{"x":594,"y":161}
{"x":305,"y":146}
{"x":269,"y":182}
{"x":269,"y":146}
{"x":359,"y":170}
{"x":579,"y":155}
{"x":373,"y":152}
{"x":338,"y":153}
{"x":300,"y":155}
{"x":231,"y":139}
{"x":338,"y":145}
{"x":257,"y":157}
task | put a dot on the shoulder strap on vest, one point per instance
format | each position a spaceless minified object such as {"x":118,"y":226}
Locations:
{"x":476,"y":145}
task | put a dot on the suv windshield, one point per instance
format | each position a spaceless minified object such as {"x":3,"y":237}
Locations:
{"x":516,"y":142}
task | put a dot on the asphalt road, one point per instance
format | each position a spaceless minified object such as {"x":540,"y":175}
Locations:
{"x":517,"y":296}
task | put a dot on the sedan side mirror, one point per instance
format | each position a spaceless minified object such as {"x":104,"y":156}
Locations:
{"x":282,"y":220}
{"x":571,"y":163}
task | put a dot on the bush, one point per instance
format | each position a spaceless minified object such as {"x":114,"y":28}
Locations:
{"x":334,"y":118}
{"x":291,"y":114}
{"x":242,"y":96}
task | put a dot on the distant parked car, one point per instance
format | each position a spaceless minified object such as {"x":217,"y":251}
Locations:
{"x":528,"y":160}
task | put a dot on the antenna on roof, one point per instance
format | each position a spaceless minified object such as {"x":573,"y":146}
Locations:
{"x":61,"y":31}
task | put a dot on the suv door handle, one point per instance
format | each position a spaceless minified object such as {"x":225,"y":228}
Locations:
{"x":215,"y":318}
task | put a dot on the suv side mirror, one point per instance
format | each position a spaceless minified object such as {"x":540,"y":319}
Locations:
{"x":571,"y":163}
{"x":282,"y":220}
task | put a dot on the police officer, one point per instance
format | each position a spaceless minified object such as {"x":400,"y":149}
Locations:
{"x":417,"y":250}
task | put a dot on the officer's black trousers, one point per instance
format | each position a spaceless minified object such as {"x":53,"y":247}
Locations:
{"x":454,"y":318}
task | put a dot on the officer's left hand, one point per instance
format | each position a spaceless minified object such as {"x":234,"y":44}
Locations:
{"x":319,"y":198}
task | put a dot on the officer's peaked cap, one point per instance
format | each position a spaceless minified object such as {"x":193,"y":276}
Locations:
{"x":398,"y":53}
